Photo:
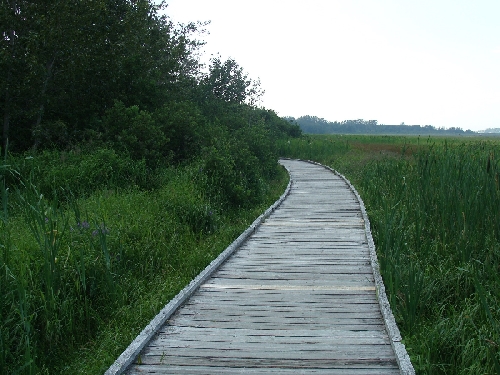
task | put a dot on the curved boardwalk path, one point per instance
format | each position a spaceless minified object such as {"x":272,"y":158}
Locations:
{"x":298,"y":297}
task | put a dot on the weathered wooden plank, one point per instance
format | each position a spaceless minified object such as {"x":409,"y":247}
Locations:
{"x":228,"y":323}
{"x":304,"y":269}
{"x":351,"y":274}
{"x":367,"y":347}
{"x":340,"y":311}
{"x":326,"y":334}
{"x":348,"y":282}
{"x":304,"y":266}
{"x":275,"y":299}
{"x":351,"y":311}
{"x":196,"y":339}
{"x":339,"y":369}
{"x":373,"y":353}
{"x":203,"y":370}
{"x":285,"y":361}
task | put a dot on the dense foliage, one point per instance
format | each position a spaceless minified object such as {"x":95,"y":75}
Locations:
{"x":433,"y":208}
{"x":437,"y":224}
{"x":316,"y":125}
{"x":69,"y":67}
{"x":130,"y":166}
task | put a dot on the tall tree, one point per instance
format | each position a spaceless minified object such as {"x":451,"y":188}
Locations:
{"x":15,"y":61}
{"x":65,"y":62}
{"x":228,"y":82}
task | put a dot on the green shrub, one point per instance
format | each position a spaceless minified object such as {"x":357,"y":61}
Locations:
{"x":134,"y":132}
{"x":181,"y":122}
{"x":80,"y":173}
{"x":191,"y":207}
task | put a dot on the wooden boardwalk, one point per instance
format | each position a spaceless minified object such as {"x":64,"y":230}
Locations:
{"x":299,"y":296}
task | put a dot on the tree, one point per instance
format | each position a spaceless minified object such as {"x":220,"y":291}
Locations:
{"x":16,"y":62}
{"x":67,"y":61}
{"x":228,"y":82}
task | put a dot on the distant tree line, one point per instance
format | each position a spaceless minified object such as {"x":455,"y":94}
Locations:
{"x":491,"y":131}
{"x":316,"y":125}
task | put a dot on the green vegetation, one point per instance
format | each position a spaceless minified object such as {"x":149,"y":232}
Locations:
{"x":127,"y":167}
{"x":433,"y":206}
{"x":81,"y":276}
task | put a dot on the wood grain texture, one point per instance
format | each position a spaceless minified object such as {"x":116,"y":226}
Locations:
{"x":298,"y":297}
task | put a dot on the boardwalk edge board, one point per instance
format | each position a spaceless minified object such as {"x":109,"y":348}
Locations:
{"x":134,"y":349}
{"x":390,"y":323}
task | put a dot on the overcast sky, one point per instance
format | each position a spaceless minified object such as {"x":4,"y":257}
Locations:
{"x":427,"y":62}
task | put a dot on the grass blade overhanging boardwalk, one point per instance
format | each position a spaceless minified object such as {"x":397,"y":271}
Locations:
{"x":301,"y":295}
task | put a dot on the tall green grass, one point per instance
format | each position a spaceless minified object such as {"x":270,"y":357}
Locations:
{"x":87,"y":261}
{"x":434,"y":210}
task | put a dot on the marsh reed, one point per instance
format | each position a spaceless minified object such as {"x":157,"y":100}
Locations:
{"x":434,"y":208}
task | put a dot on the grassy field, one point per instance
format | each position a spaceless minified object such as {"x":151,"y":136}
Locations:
{"x":434,"y":206}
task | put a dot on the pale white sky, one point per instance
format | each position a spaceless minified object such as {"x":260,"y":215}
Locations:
{"x":421,"y":62}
